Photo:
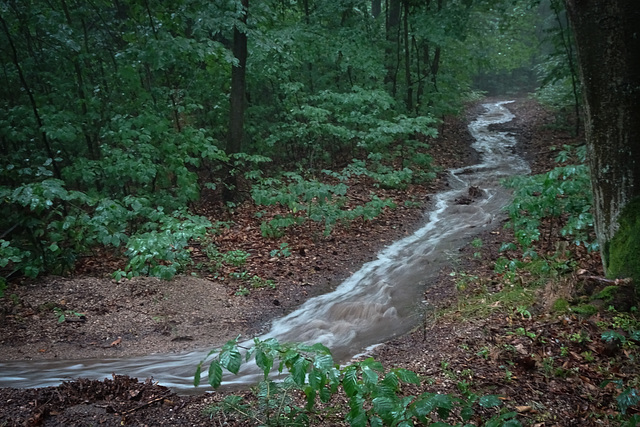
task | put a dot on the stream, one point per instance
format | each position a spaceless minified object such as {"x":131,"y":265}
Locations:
{"x":380,"y":301}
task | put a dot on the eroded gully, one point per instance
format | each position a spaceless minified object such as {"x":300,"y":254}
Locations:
{"x":380,"y":301}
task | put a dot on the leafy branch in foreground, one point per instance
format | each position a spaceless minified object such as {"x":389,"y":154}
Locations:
{"x":374,"y":396}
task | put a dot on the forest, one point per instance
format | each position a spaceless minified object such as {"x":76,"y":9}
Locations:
{"x":119,"y":118}
{"x":179,"y":139}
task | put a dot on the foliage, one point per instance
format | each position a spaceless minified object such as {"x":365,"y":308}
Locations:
{"x":161,"y":252}
{"x":282,"y":251}
{"x":115,"y":113}
{"x":562,"y":196}
{"x":39,"y":214}
{"x":557,"y":71}
{"x":61,"y":315}
{"x":310,"y":200}
{"x":374,"y":395}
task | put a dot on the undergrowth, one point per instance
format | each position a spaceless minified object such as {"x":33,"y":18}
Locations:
{"x":551,"y":217}
{"x":374,"y":396}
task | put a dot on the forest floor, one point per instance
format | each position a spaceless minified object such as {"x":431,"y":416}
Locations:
{"x":546,"y":365}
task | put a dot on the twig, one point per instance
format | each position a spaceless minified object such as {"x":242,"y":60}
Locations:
{"x":144,"y":405}
{"x":616,"y":282}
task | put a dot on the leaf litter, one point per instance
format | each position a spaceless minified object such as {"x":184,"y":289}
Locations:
{"x":547,"y":365}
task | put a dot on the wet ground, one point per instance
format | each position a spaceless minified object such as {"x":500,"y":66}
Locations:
{"x":107,"y":319}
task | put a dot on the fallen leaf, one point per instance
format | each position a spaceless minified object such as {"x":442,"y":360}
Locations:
{"x":116,"y":342}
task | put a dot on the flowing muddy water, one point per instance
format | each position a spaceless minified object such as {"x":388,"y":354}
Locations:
{"x":380,"y":301}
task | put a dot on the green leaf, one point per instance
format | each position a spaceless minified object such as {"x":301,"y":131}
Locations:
{"x":611,"y":336}
{"x":466,"y":413}
{"x":215,"y":374}
{"x":196,"y":376}
{"x":324,"y":362}
{"x":231,"y":359}
{"x":385,"y":408}
{"x":369,"y":377}
{"x":371,"y":363}
{"x":443,"y":404}
{"x":390,"y":381}
{"x":316,"y":378}
{"x":407,"y":376}
{"x":627,"y":399}
{"x":299,"y":370}
{"x":264,"y":361}
{"x":357,"y":417}
{"x":311,"y":393}
{"x":325,"y":394}
{"x":350,"y":381}
{"x":489,"y":401}
{"x":423,"y":406}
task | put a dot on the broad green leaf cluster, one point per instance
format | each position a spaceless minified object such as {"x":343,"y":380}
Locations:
{"x":374,"y":396}
{"x":562,"y":196}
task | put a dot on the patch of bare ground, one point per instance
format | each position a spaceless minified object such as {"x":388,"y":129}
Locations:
{"x":524,"y":356}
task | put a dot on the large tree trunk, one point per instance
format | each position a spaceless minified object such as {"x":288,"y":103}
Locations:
{"x":608,"y":42}
{"x":237,"y":102}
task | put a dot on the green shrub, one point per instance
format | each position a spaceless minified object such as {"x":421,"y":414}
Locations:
{"x":310,"y":200}
{"x":564,"y":191}
{"x":373,"y":395}
{"x":162,"y":251}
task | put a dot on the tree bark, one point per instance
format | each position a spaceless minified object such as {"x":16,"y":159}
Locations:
{"x":392,"y":49}
{"x":237,"y":101}
{"x":608,"y":45}
{"x":407,"y":58}
{"x":567,"y":45}
{"x":376,"y":8}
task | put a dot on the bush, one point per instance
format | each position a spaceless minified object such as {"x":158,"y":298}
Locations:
{"x":373,"y":395}
{"x":562,"y":196}
{"x":310,"y":200}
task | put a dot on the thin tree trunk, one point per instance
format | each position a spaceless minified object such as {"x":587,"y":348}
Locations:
{"x":568,"y":48}
{"x":92,"y":148}
{"x":376,"y":8}
{"x":237,"y":101}
{"x":393,"y":39}
{"x":420,"y":90}
{"x":435,"y":64}
{"x":32,"y":100}
{"x":407,"y":58}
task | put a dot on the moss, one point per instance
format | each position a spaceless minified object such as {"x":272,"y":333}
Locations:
{"x":607,"y":294}
{"x":560,"y":305}
{"x":585,"y":309}
{"x":624,"y":248}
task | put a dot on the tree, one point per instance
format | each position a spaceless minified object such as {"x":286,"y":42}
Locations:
{"x":238,"y":94}
{"x":608,"y":45}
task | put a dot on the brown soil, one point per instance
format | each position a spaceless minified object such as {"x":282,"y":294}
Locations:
{"x":145,"y":315}
{"x":105,"y":318}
